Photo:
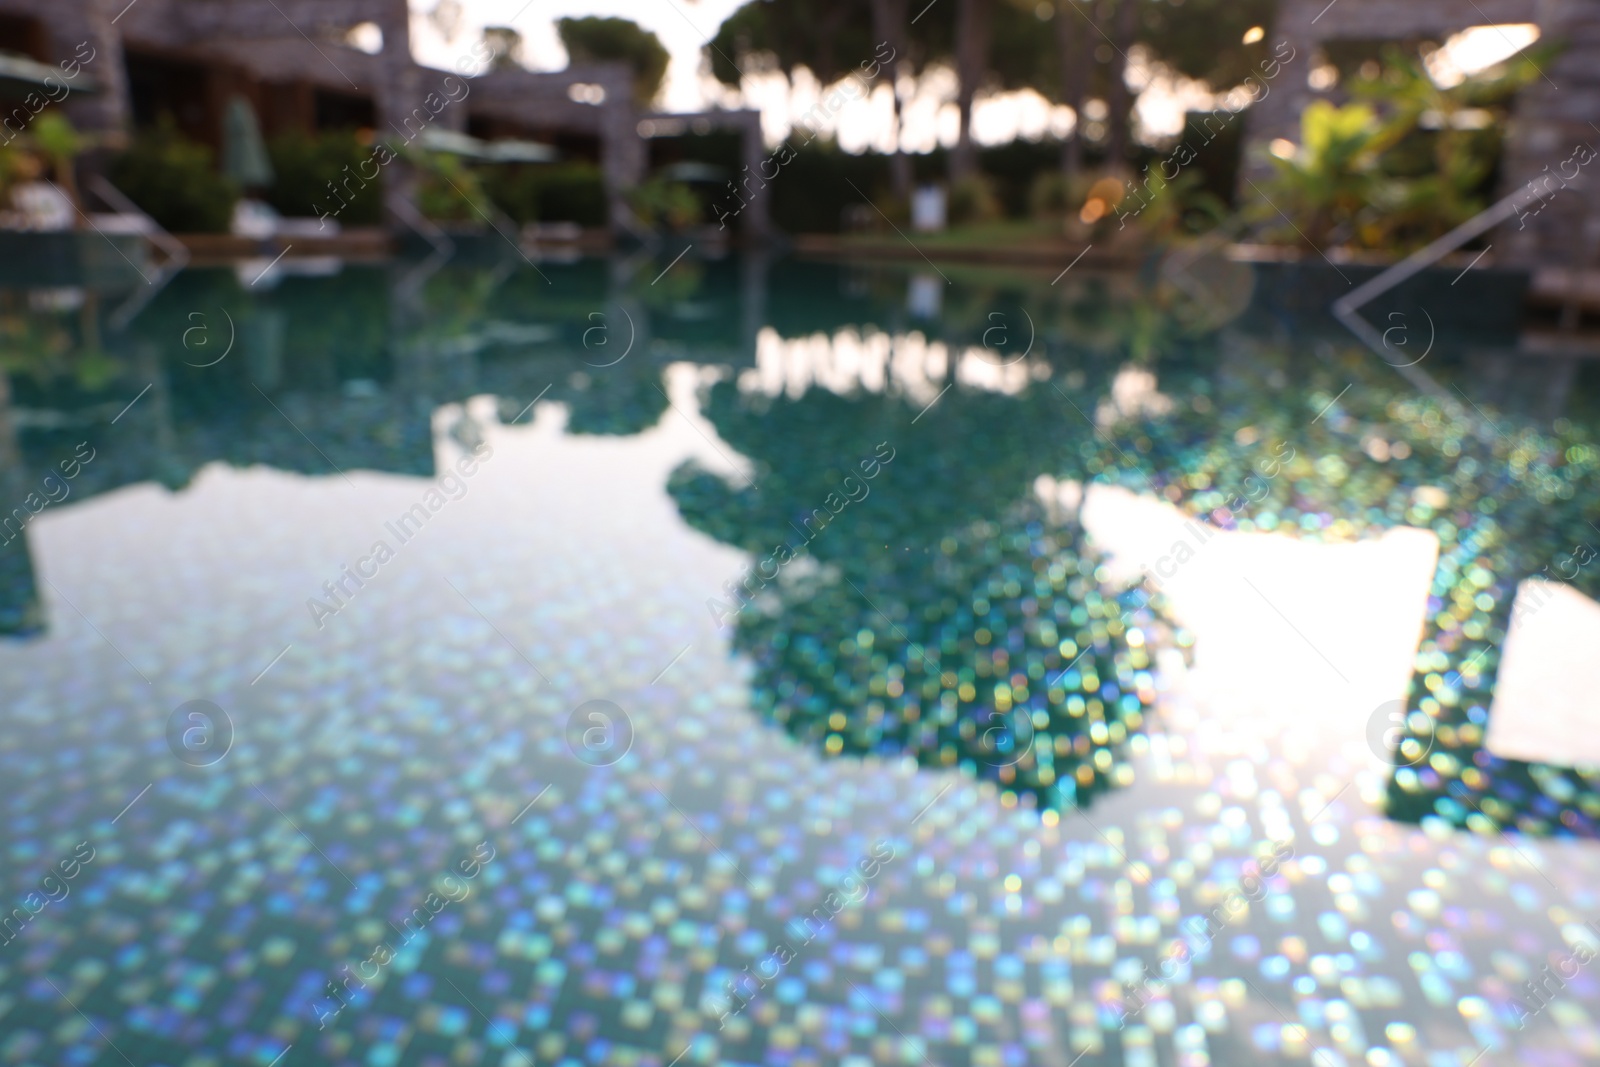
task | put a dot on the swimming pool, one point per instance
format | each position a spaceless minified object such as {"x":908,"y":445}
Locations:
{"x":780,"y":662}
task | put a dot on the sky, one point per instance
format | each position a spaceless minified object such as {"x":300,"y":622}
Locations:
{"x":682,"y":25}
{"x":443,"y":30}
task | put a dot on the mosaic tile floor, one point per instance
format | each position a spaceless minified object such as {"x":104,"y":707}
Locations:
{"x":418,"y":840}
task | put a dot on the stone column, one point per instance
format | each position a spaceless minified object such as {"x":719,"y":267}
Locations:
{"x":1278,"y":113}
{"x":757,"y":217}
{"x":1552,"y":132}
{"x":623,"y":159}
{"x":89,"y":32}
{"x":397,"y":95}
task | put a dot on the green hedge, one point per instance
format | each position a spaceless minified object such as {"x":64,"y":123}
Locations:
{"x":175,"y":181}
{"x":562,"y":192}
{"x":811,"y":192}
{"x":305,"y":164}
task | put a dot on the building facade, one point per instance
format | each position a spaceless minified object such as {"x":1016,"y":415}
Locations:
{"x":297,"y":65}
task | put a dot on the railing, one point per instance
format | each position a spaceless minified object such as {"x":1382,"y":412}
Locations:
{"x":177,"y":254}
{"x":1346,"y":309}
{"x":401,"y":207}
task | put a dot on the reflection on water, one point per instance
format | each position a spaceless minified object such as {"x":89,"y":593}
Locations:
{"x":863,"y":506}
{"x":933,"y":607}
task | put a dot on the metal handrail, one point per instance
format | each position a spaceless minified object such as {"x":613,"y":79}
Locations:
{"x":403,"y":209}
{"x":176,"y":251}
{"x":1344,"y":308}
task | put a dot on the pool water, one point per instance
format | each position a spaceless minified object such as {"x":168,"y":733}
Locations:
{"x":488,"y":664}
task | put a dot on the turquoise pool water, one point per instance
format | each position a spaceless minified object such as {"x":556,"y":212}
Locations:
{"x":430,"y":665}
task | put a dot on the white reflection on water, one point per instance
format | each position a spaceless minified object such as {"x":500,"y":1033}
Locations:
{"x":908,"y":364}
{"x":1544,"y":706}
{"x":1290,"y":635}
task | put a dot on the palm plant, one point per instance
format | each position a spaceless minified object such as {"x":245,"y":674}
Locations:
{"x":1404,"y":162}
{"x":55,"y":139}
{"x":1328,"y":183}
{"x":1454,"y":136}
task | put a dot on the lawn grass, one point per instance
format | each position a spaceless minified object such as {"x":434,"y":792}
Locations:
{"x":1005,"y":233}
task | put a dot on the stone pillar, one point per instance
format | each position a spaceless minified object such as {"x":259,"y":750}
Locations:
{"x":90,"y":32}
{"x":623,"y":159}
{"x":757,"y":216}
{"x":1551,"y":133}
{"x":1278,"y":113}
{"x":397,"y":95}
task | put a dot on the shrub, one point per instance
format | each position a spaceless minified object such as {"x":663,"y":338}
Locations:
{"x":973,"y":200}
{"x":1329,"y":184}
{"x":813,"y":190}
{"x":305,"y":164}
{"x":175,"y":181}
{"x":447,"y":189}
{"x":1051,"y":195}
{"x":17,"y":165}
{"x":1014,"y":167}
{"x":514,"y":188}
{"x":1401,"y":164}
{"x":562,"y":192}
{"x":571,"y":192}
{"x":665,"y":205}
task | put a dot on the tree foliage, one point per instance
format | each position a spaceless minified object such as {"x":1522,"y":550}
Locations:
{"x":1203,"y":39}
{"x":825,"y":36}
{"x":505,"y":47}
{"x":1198,"y":38}
{"x":594,"y":39}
